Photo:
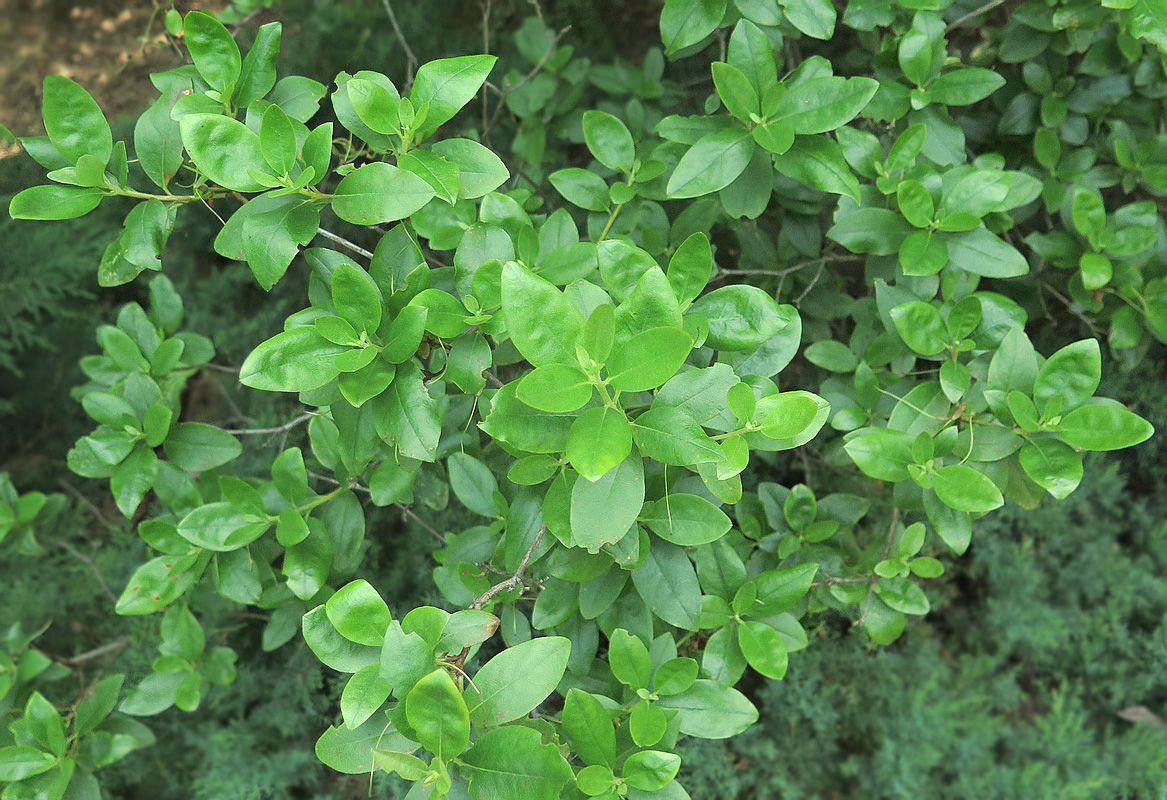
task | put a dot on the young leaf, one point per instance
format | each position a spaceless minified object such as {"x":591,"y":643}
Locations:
{"x":712,"y":163}
{"x":446,"y":85}
{"x":379,"y":192}
{"x":438,"y":715}
{"x":609,"y":140}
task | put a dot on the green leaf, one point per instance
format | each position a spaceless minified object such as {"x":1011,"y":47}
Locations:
{"x":963,"y":488}
{"x":709,"y":710}
{"x":220,"y":527}
{"x":158,"y":144}
{"x":871,"y":230}
{"x":628,"y":659}
{"x":983,"y":253}
{"x":440,"y":173}
{"x":965,"y":86}
{"x":581,"y":188}
{"x":331,"y":648}
{"x":437,"y":713}
{"x":297,"y":360}
{"x":589,"y":728}
{"x":686,"y":22}
{"x":818,"y":162}
{"x":686,"y":519}
{"x":815,"y":18}
{"x":54,"y":202}
{"x":257,"y":75}
{"x":446,"y":85}
{"x":609,"y":140}
{"x":831,"y":355}
{"x":923,"y":253}
{"x":524,"y":428}
{"x":1014,"y":365}
{"x":350,"y":751}
{"x":921,"y":327}
{"x":74,"y":122}
{"x":359,"y":614}
{"x":712,"y":163}
{"x":225,"y":150}
{"x":1148,"y":19}
{"x":650,"y":770}
{"x":277,"y":140}
{"x":213,"y":50}
{"x":600,"y":439}
{"x":1071,"y":375}
{"x":445,"y":317}
{"x":481,"y":170}
{"x":669,"y":435}
{"x":152,"y":587}
{"x":517,"y":680}
{"x":915,"y":203}
{"x":791,"y":414}
{"x":411,"y":768}
{"x":741,"y":317}
{"x":19,"y":762}
{"x":736,"y":92}
{"x":473,"y":484}
{"x":881,"y":453}
{"x":764,"y":648}
{"x":667,"y":583}
{"x":691,"y":267}
{"x":378,"y":193}
{"x":197,"y":446}
{"x":648,"y":359}
{"x":375,"y":106}
{"x":1052,"y":465}
{"x":556,"y":387}
{"x":512,"y":762}
{"x":1104,"y":427}
{"x":603,"y":511}
{"x":406,"y":416}
{"x":818,"y":105}
{"x":544,"y":325}
{"x":356,"y":297}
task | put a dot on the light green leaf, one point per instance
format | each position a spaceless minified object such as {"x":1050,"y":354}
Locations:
{"x":712,"y":163}
{"x":379,"y":192}
{"x":686,"y":519}
{"x":213,"y":50}
{"x":481,"y":170}
{"x":437,"y":713}
{"x":1071,"y":375}
{"x":667,"y":583}
{"x":669,"y":435}
{"x":687,"y":22}
{"x":446,"y":85}
{"x":709,"y":710}
{"x":517,"y":680}
{"x":600,"y":439}
{"x":358,"y":613}
{"x":556,"y":387}
{"x":764,"y":648}
{"x":609,"y":140}
{"x":74,"y":121}
{"x":603,"y":511}
{"x":54,"y":202}
{"x":741,"y":317}
{"x":544,"y":325}
{"x":963,"y":488}
{"x":815,"y":18}
{"x":818,"y":105}
{"x":965,"y":86}
{"x":921,"y":327}
{"x":1053,"y":465}
{"x":197,"y":446}
{"x":297,"y":360}
{"x":1104,"y":427}
{"x":225,"y":150}
{"x":512,"y":762}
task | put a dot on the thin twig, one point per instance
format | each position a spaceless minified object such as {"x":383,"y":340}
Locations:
{"x":117,"y":644}
{"x":356,"y":248}
{"x":406,"y":511}
{"x":832,"y":581}
{"x":989,"y":6}
{"x":87,"y":560}
{"x":810,"y":286}
{"x":287,"y":426}
{"x":891,"y":532}
{"x":71,"y":489}
{"x":487,"y":125}
{"x":352,"y":484}
{"x":221,"y":368}
{"x":513,"y":581}
{"x":411,"y":61}
{"x":490,"y":376}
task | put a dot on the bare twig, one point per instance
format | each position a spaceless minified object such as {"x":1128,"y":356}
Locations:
{"x":221,"y":368}
{"x":117,"y":644}
{"x":352,"y":484}
{"x":513,"y":581}
{"x":829,"y":581}
{"x":73,"y":551}
{"x":408,"y":512}
{"x":891,"y":532}
{"x":810,"y":286}
{"x":356,"y":248}
{"x":490,"y":376}
{"x":989,"y":6}
{"x":411,"y":61}
{"x":71,"y":489}
{"x":287,"y":426}
{"x":487,"y":125}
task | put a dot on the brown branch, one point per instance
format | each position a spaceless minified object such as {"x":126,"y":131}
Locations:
{"x":513,"y":581}
{"x":407,"y":512}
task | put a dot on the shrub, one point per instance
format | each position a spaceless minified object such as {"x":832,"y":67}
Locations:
{"x":599,"y":403}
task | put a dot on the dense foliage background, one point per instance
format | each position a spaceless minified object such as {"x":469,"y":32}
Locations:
{"x":1040,"y":671}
